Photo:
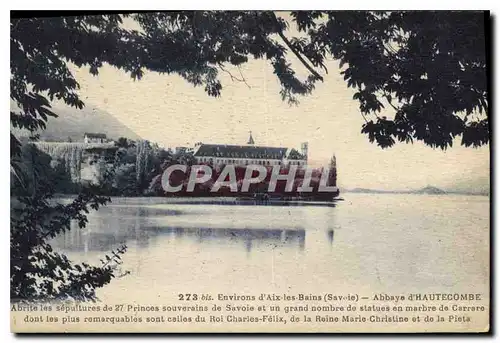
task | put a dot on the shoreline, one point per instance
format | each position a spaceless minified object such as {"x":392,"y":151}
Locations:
{"x":237,"y":201}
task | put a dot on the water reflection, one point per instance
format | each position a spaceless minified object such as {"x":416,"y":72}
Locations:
{"x":252,"y":228}
{"x":330,"y":236}
{"x":275,"y":237}
{"x":88,"y":241}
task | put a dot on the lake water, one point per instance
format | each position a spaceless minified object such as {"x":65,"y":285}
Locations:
{"x":366,"y":243}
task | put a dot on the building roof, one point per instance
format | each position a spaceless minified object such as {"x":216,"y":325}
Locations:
{"x":241,"y":151}
{"x":95,"y":135}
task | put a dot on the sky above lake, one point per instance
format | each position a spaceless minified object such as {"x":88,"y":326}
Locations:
{"x":167,"y":110}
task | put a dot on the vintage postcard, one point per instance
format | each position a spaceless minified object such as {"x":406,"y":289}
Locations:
{"x":250,"y":171}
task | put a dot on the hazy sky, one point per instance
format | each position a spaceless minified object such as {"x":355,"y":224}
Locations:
{"x":167,"y":110}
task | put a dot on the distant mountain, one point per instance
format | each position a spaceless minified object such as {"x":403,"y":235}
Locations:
{"x":429,"y":190}
{"x":425,"y":190}
{"x":73,"y":123}
{"x":367,"y":190}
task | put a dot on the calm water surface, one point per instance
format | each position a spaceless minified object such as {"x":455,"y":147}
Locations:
{"x":367,"y":243}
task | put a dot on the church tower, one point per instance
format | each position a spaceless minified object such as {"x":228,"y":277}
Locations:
{"x":250,"y":139}
{"x":304,"y":149}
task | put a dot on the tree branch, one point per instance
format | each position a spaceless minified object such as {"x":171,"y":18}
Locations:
{"x":299,"y":56}
{"x":364,"y":117}
{"x":234,"y":78}
{"x":389,"y":101}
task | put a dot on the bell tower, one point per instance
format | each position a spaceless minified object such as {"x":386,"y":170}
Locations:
{"x":304,"y":149}
{"x":250,"y":139}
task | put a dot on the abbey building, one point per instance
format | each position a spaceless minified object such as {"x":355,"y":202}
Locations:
{"x":218,"y":154}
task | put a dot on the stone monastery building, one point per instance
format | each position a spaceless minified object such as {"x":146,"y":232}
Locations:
{"x":217,"y":154}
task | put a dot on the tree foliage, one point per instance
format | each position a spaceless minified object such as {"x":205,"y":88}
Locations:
{"x":428,"y":67}
{"x":37,"y":272}
{"x":294,"y":154}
